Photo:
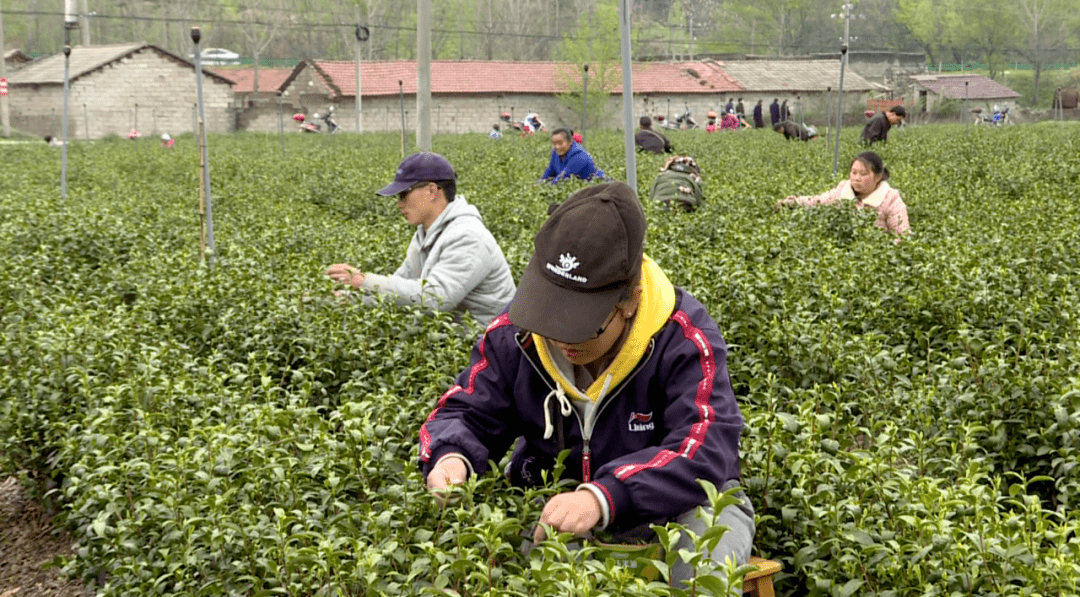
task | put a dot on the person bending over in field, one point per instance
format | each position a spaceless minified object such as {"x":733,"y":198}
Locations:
{"x":867,"y":184}
{"x":877,"y":128}
{"x":569,"y":158}
{"x":792,"y":130}
{"x":453,"y":261}
{"x":601,"y":355}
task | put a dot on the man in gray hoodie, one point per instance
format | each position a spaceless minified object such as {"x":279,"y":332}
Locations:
{"x":453,"y":262}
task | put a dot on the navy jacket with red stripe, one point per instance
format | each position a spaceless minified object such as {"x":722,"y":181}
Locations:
{"x":671,"y":421}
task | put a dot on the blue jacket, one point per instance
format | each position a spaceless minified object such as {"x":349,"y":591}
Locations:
{"x":774,"y":112}
{"x":577,"y":162}
{"x":664,"y":411}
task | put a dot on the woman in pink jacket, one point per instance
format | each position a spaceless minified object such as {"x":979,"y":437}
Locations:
{"x":867,"y":184}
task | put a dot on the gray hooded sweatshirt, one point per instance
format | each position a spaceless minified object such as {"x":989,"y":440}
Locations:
{"x":454,"y":266}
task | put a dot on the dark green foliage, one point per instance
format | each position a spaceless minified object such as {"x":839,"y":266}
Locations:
{"x":913,"y":409}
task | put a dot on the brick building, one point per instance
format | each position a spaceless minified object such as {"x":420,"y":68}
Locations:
{"x":469,"y":96}
{"x":115,"y":88}
{"x":981,"y":92}
{"x":809,"y":87}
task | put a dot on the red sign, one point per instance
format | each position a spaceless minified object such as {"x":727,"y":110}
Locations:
{"x":3,"y":86}
{"x":881,"y":104}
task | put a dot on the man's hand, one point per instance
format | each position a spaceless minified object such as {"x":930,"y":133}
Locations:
{"x":345,"y":274}
{"x":448,"y":472}
{"x":572,"y":512}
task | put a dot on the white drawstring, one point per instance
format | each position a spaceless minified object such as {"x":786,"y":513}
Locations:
{"x":564,"y":407}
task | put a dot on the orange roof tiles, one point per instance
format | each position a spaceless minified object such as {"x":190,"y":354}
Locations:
{"x":466,"y":77}
{"x":270,"y":79}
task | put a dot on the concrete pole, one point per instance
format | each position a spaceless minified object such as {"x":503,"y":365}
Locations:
{"x":196,"y":34}
{"x":362,"y":34}
{"x":85,"y":24}
{"x":423,"y":74}
{"x":839,"y":107}
{"x":64,"y":135}
{"x":828,"y":117}
{"x":840,"y":91}
{"x":585,"y":102}
{"x":967,"y":130}
{"x":5,"y":116}
{"x":628,"y":96}
{"x":86,"y":121}
{"x":281,"y":124}
{"x":401,"y":104}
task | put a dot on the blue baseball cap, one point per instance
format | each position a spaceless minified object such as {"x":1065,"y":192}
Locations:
{"x":419,"y":167}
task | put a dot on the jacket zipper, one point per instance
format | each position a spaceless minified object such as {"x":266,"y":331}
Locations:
{"x":586,"y":432}
{"x":586,"y":435}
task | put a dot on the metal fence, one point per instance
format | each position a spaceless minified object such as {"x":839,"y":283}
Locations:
{"x":966,"y":66}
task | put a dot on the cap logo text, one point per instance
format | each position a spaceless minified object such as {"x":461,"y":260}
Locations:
{"x":567,"y":262}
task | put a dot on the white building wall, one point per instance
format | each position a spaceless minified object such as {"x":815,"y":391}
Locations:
{"x":475,"y":114}
{"x":146,"y":91}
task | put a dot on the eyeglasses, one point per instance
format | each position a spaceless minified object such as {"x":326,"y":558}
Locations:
{"x":603,"y":328}
{"x":405,"y":193}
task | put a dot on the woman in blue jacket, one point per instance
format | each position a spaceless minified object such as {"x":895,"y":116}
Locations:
{"x":600,"y":354}
{"x":568,"y":158}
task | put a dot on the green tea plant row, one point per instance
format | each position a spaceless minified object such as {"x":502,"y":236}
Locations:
{"x":912,"y":409}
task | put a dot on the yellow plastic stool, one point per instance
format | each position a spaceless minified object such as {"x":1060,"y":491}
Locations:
{"x":759,"y":583}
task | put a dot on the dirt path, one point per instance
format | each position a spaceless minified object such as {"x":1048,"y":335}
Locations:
{"x":27,"y":541}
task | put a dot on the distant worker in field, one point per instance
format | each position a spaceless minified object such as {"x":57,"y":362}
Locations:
{"x":793,"y":130}
{"x":569,"y":158}
{"x":532,"y":124}
{"x":867,"y":185}
{"x":649,"y":140}
{"x":877,"y":128}
{"x":729,"y":122}
{"x":711,"y":126}
{"x":167,"y":142}
{"x":678,"y":185}
{"x":774,"y":111}
{"x":759,"y":118}
{"x":599,"y":354}
{"x":495,"y":132}
{"x":740,"y":110}
{"x":453,"y":263}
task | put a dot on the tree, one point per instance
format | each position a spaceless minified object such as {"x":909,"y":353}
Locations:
{"x":983,"y":26}
{"x":1044,"y":24}
{"x":262,"y":21}
{"x":933,"y":23}
{"x":598,"y":45}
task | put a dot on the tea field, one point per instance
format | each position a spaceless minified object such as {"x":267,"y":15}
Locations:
{"x":913,"y":408}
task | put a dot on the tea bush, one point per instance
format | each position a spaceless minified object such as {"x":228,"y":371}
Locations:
{"x":913,"y":408}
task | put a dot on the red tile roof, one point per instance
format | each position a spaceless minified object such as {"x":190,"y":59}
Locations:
{"x":465,"y":76}
{"x":270,"y":79}
{"x":952,"y":86}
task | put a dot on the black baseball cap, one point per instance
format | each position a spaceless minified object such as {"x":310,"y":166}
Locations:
{"x":587,"y":252}
{"x":419,"y":167}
